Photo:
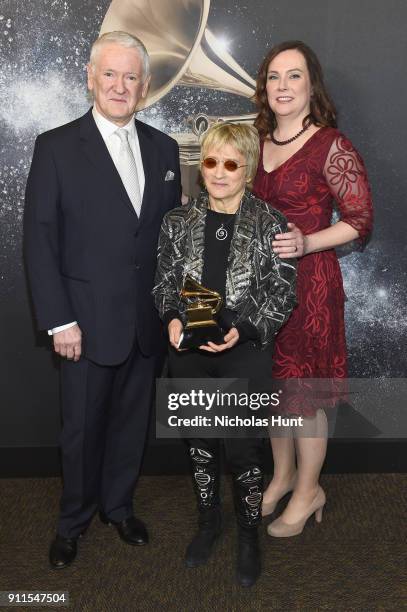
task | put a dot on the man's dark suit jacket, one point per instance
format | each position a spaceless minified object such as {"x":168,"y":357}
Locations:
{"x":89,"y":257}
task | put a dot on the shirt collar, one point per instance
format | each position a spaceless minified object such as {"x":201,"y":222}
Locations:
{"x":107,"y":128}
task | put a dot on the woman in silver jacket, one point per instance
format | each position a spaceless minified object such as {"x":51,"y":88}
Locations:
{"x":223,"y":240}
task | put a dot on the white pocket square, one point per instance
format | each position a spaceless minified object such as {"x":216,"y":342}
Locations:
{"x":169,"y":176}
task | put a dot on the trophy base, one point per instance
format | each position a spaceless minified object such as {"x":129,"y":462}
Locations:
{"x":195,"y":337}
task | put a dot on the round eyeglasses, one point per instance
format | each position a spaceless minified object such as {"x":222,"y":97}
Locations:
{"x":229,"y":164}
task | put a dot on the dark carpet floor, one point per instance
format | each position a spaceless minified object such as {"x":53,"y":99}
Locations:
{"x":356,"y":560}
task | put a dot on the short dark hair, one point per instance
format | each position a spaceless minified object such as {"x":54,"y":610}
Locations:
{"x":323,"y":112}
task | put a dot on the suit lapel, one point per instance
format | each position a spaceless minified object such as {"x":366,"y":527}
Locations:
{"x":151,"y":167}
{"x":96,"y":151}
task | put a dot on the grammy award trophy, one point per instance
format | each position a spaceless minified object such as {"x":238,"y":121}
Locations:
{"x":202,"y":304}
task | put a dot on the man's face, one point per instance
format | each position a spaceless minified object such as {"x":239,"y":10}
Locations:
{"x":116,"y":81}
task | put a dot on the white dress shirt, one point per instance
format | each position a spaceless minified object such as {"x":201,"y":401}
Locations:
{"x":107,"y":129}
{"x":112,"y":142}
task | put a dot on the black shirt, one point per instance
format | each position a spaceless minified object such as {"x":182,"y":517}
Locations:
{"x":216,"y":255}
{"x":216,"y":251}
{"x":218,"y":236}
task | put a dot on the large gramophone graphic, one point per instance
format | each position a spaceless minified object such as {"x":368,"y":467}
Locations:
{"x":183,"y":51}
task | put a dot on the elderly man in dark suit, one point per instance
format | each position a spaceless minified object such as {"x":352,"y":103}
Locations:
{"x":97,"y":191}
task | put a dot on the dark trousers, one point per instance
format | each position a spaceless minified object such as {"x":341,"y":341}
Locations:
{"x":242,"y":361}
{"x":105,"y":411}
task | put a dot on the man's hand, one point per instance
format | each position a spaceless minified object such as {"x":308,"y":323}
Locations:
{"x":68,"y":343}
{"x":175,"y":328}
{"x":290,"y":244}
{"x":231,"y":339}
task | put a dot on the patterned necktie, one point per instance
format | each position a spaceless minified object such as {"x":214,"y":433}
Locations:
{"x":127,"y":169}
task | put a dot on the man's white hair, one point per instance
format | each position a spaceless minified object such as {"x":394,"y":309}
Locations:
{"x":125,"y":40}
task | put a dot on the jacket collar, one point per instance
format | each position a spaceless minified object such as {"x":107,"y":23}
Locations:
{"x":151,"y":165}
{"x":97,"y":153}
{"x":242,"y":236}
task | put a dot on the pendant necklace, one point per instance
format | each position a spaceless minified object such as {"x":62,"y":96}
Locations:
{"x":222,"y":231}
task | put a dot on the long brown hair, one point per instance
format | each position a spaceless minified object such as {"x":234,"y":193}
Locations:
{"x":322,"y":109}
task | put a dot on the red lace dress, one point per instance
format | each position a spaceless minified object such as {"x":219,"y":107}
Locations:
{"x":327,"y":168}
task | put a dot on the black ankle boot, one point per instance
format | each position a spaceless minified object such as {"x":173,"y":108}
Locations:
{"x":248,"y":566}
{"x":205,"y":478}
{"x":248,"y":488}
{"x":210,"y":527}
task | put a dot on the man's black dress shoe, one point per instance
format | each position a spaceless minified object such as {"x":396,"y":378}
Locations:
{"x":131,"y":530}
{"x":62,"y":551}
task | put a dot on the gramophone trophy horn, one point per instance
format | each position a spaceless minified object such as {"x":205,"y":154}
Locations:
{"x":201,"y":306}
{"x":182,"y":49}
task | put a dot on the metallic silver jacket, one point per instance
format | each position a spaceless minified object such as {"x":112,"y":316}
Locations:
{"x":260,"y":287}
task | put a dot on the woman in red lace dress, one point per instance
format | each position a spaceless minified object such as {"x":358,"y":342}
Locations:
{"x":305,"y":165}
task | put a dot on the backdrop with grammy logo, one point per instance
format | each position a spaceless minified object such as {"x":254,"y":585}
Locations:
{"x":184,"y":52}
{"x":205,"y":55}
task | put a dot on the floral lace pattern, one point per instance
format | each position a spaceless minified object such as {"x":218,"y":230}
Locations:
{"x":326,"y":169}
